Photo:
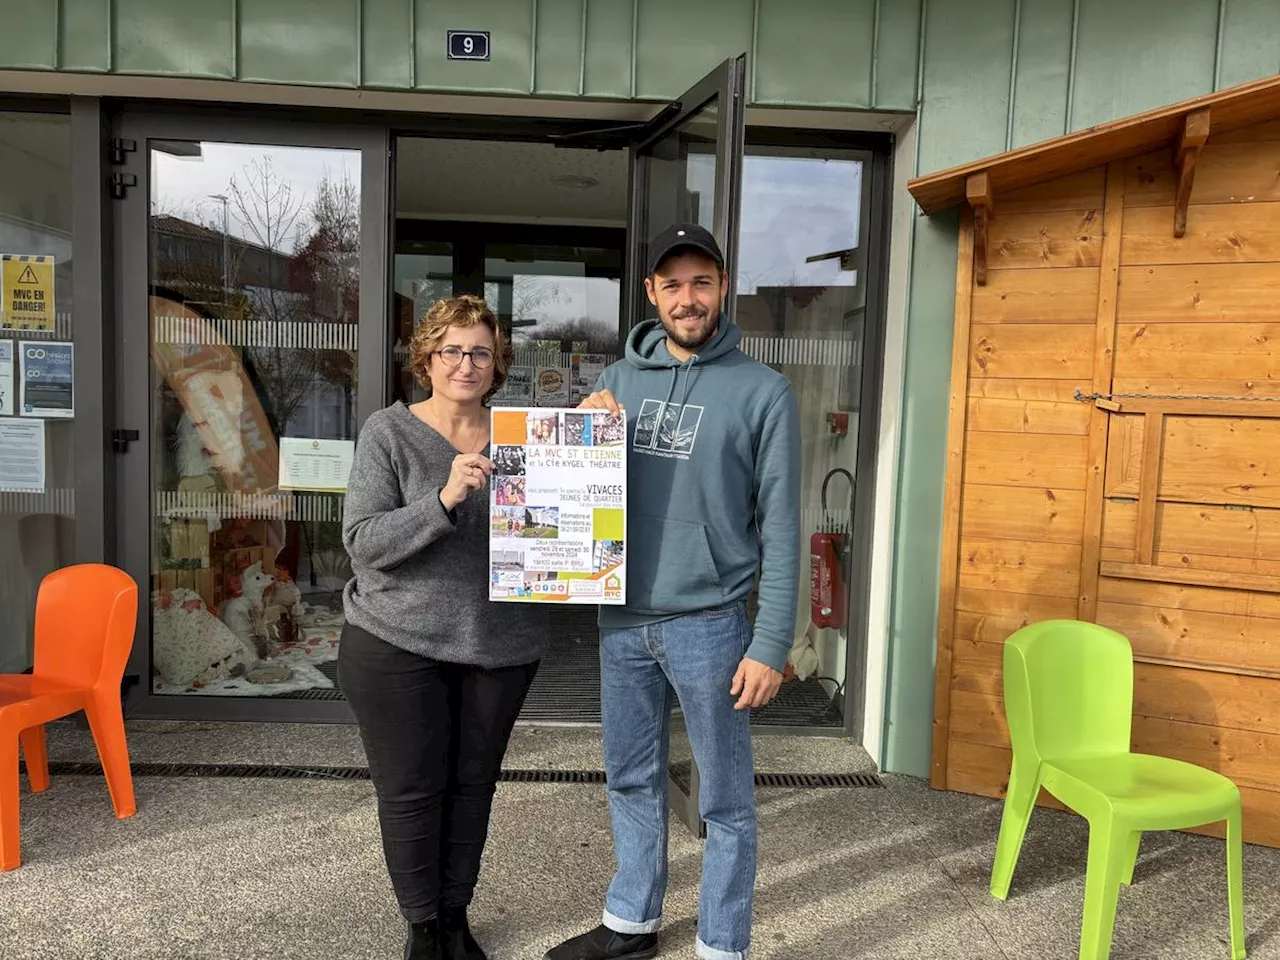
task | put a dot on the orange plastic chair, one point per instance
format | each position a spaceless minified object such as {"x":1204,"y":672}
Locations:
{"x":85,"y":621}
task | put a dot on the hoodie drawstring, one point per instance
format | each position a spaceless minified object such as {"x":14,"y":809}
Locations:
{"x":688,"y":381}
{"x":675,"y":372}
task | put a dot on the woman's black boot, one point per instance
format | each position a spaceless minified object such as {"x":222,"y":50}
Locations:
{"x":423,"y":941}
{"x":456,"y":940}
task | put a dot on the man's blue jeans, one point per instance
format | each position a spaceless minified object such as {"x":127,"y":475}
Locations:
{"x":696,"y":656}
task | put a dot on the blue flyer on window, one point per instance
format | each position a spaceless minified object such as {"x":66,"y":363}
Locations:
{"x":46,"y":377}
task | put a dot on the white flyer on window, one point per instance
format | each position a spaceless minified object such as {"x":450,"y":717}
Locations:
{"x":6,"y":378}
{"x":319,"y":466}
{"x":587,"y":368}
{"x":558,"y":506}
{"x":517,"y":391}
{"x":22,"y":455}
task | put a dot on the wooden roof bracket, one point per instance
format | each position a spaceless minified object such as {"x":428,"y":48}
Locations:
{"x":1195,"y":131}
{"x":977,"y":191}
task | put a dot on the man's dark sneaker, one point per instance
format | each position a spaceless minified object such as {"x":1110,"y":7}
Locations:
{"x":456,"y":940}
{"x":423,"y":941}
{"x":605,"y":944}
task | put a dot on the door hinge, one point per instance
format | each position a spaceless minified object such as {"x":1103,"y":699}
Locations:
{"x":120,"y":440}
{"x":119,"y":150}
{"x":120,"y":184}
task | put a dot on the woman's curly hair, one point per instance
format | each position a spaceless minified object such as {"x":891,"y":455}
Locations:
{"x":463,"y":311}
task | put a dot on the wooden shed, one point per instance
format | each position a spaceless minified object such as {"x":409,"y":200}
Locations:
{"x":1114,"y":436}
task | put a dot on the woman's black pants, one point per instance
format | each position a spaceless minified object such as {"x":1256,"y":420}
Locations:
{"x":435,"y":734}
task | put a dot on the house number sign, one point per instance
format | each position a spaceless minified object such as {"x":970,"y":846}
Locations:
{"x":468,"y":44}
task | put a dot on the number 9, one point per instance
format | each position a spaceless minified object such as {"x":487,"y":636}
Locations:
{"x":468,"y":45}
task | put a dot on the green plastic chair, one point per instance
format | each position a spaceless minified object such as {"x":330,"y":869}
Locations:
{"x":1068,"y":699}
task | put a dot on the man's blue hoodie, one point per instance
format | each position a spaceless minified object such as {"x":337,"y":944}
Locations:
{"x":713,"y":472}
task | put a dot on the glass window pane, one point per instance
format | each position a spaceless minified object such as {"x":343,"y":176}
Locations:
{"x":37,"y":452}
{"x":801,"y":304}
{"x":423,"y":275}
{"x":255,"y":289}
{"x":679,"y":182}
{"x":562,"y":305}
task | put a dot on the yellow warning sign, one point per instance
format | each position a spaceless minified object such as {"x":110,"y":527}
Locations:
{"x":26,"y":292}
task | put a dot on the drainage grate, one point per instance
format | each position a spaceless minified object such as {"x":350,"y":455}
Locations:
{"x":252,"y":771}
{"x":845,"y":780}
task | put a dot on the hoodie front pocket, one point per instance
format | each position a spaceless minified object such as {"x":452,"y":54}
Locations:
{"x":671,"y":569}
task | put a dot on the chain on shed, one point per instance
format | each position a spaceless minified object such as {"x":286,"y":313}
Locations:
{"x":1091,"y":397}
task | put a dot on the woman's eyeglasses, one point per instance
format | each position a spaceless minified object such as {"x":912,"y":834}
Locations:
{"x":481,"y":357}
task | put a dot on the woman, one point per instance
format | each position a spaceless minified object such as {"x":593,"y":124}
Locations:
{"x":435,"y":673}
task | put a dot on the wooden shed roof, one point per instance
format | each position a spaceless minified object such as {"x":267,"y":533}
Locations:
{"x":1227,"y":110}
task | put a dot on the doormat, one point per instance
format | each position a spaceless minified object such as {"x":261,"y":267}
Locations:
{"x":250,"y":771}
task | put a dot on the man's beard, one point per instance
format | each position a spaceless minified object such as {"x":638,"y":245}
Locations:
{"x":691,"y":342}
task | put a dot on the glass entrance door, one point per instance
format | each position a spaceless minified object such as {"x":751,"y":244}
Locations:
{"x":252,"y":290}
{"x":688,"y":169}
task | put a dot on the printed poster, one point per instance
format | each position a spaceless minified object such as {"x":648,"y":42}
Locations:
{"x":6,"y":378}
{"x":558,"y":506}
{"x":587,"y":368}
{"x":518,"y":390}
{"x":22,"y":455}
{"x":26,"y":292}
{"x":551,"y":387}
{"x":319,"y":466}
{"x":47,"y":378}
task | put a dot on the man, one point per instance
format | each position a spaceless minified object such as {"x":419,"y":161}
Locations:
{"x":715,"y":501}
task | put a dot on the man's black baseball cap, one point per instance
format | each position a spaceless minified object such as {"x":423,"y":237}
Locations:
{"x":680,"y":236}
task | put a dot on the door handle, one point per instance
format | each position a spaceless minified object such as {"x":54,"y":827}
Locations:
{"x":120,"y":440}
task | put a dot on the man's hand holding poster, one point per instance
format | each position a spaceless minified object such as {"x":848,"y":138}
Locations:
{"x":557,"y":506}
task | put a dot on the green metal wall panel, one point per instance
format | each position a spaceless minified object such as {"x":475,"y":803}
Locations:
{"x":814,"y":51}
{"x":511,"y":27}
{"x":156,"y":37}
{"x":313,"y":43}
{"x":87,"y":38}
{"x":607,"y":58}
{"x":1140,"y":55}
{"x":30,"y":40}
{"x":1250,"y":47}
{"x":1042,"y":74}
{"x":678,"y":41}
{"x":966,"y":81}
{"x":897,"y":66}
{"x":558,"y":68}
{"x":387,"y":44}
{"x":837,"y":53}
{"x":917,"y":529}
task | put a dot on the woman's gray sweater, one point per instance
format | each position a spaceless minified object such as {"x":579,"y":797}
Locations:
{"x":420,"y":574}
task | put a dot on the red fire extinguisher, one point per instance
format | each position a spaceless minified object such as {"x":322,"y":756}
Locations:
{"x":828,"y":563}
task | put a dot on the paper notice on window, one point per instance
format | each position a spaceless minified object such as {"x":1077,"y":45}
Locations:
{"x":587,"y":368}
{"x":558,"y":506}
{"x":6,"y":378}
{"x":517,"y":391}
{"x":551,"y":387}
{"x":47,"y":372}
{"x":320,"y":466}
{"x":22,"y":455}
